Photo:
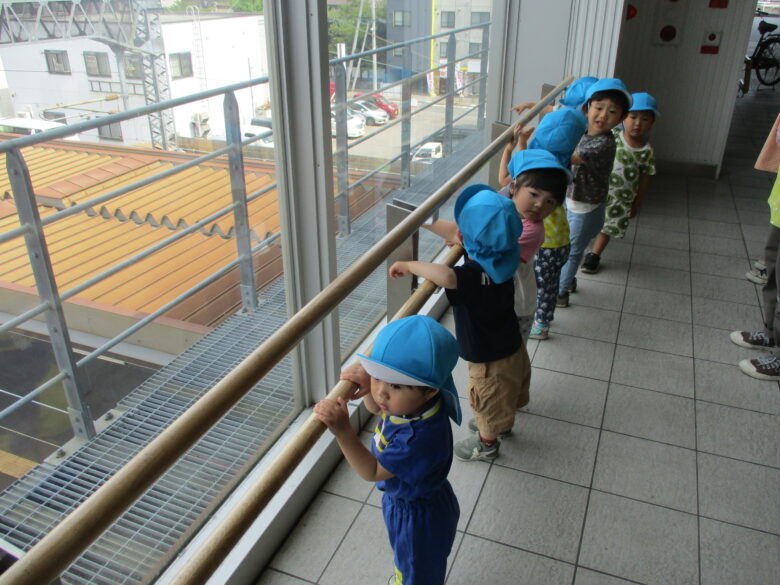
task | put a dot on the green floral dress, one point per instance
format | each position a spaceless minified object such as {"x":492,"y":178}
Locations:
{"x":630,"y":165}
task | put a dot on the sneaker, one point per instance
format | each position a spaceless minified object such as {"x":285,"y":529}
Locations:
{"x":473,"y":449}
{"x":752,"y":339}
{"x":539,"y":331}
{"x":573,"y":286}
{"x":474,"y":429}
{"x":757,"y":273}
{"x":764,"y":368}
{"x":591,"y":263}
{"x":562,"y":301}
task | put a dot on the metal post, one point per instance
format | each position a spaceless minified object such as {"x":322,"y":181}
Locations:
{"x":406,"y":121}
{"x":240,"y":214}
{"x":398,"y":289}
{"x":483,"y":80}
{"x":450,"y":101}
{"x":78,"y":409}
{"x":342,"y":154}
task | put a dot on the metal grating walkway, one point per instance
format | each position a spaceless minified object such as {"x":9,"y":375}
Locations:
{"x":140,"y":544}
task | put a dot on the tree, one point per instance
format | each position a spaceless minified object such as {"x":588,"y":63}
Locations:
{"x":247,"y":5}
{"x":343,"y":19}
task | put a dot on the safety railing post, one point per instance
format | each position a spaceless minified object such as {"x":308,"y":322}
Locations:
{"x":406,"y":121}
{"x":21,"y":185}
{"x":449,"y":108}
{"x":342,"y":149}
{"x":240,"y":212}
{"x":483,"y":65}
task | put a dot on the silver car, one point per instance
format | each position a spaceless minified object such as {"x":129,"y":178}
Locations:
{"x":374,"y":116}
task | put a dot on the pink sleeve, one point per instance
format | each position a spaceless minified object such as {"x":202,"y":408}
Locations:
{"x":530,"y":240}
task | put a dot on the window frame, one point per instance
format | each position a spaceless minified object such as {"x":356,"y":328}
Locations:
{"x":406,"y":18}
{"x":177,"y":71}
{"x":111,"y":132}
{"x":57,"y":59}
{"x":102,"y":66}
{"x":450,"y":19}
{"x":482,"y":19}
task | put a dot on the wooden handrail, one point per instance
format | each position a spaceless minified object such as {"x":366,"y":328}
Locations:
{"x":58,"y":549}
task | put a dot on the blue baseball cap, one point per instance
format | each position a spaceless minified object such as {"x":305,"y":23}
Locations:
{"x":490,"y":225}
{"x":609,"y":84}
{"x":644,"y":102}
{"x":559,"y":132}
{"x":417,"y":351}
{"x":575,"y":94}
{"x":537,"y":158}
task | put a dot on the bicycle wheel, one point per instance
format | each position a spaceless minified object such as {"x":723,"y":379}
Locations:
{"x":767,"y":62}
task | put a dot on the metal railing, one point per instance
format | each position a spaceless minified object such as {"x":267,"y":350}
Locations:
{"x":342,"y":102}
{"x":50,"y":556}
{"x":51,"y":300}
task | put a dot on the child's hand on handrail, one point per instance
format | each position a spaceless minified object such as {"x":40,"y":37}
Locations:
{"x":357,"y":374}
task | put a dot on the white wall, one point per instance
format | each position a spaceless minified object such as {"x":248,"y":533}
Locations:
{"x":696,"y":92}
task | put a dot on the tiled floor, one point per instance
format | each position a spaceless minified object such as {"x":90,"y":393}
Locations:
{"x":645,"y":455}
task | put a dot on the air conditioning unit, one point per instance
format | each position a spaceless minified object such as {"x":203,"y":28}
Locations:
{"x":27,"y":115}
{"x":200,"y":125}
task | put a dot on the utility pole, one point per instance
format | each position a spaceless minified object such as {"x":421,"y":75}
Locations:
{"x":373,"y":36}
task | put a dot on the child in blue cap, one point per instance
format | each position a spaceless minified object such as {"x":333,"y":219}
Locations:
{"x":634,"y":163}
{"x":606,"y":106}
{"x":481,"y":292}
{"x":411,"y":387}
{"x":558,"y":133}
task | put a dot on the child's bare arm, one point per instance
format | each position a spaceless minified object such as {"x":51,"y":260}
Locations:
{"x":519,"y":140}
{"x":333,"y":413}
{"x":439,"y":274}
{"x":644,"y":183}
{"x":522,"y":107}
{"x":445,"y":229}
{"x":576,"y":159}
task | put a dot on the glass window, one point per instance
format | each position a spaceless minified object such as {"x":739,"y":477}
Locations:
{"x":447,"y":19}
{"x":57,"y":62}
{"x":443,"y":46}
{"x":133,"y":67}
{"x":474,"y":48}
{"x":97,"y":64}
{"x":111,"y":131}
{"x":398,"y":52}
{"x":402,"y":18}
{"x":181,"y":65}
{"x":55,"y":116}
{"x":480,"y":17}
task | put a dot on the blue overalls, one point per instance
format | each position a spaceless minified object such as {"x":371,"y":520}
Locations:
{"x":420,"y":509}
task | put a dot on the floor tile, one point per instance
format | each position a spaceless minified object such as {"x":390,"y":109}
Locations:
{"x":741,"y":434}
{"x":647,"y":471}
{"x":666,"y":222}
{"x":719,"y":265}
{"x":653,"y":370}
{"x":752,"y":204}
{"x":664,"y":207}
{"x":354,"y":563}
{"x":552,"y":448}
{"x":656,"y":334}
{"x":735,"y":290}
{"x":639,"y":541}
{"x":662,"y":238}
{"x":576,"y":355}
{"x":467,"y":480}
{"x":593,"y":293}
{"x":650,"y":415}
{"x":716,"y":228}
{"x":587,"y":322}
{"x":715,"y":345}
{"x":713,"y":213}
{"x":741,"y":493}
{"x":755,"y":232}
{"x":566,"y":397}
{"x":662,"y":257}
{"x":618,"y":250}
{"x":696,"y":200}
{"x":271,"y":577}
{"x":308,"y":549}
{"x":716,"y":245}
{"x":653,"y":303}
{"x":724,"y":315}
{"x":345,"y":482}
{"x":727,"y":385}
{"x":533,"y":513}
{"x":664,"y":279}
{"x":610,"y":271}
{"x":756,"y":218}
{"x":737,"y":556}
{"x":588,"y":577}
{"x":482,"y":561}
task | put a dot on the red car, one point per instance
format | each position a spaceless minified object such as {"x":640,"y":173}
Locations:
{"x":377,"y":99}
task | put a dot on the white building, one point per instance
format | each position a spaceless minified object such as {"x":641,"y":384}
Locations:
{"x":202,"y":52}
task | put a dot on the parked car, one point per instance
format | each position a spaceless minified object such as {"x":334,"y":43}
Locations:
{"x":374,"y":115}
{"x":380,"y":102}
{"x":356,"y":124}
{"x":428,"y":153}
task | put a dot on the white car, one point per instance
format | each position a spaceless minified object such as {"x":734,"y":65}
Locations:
{"x":428,"y":153}
{"x":374,"y":115}
{"x":356,"y":125}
